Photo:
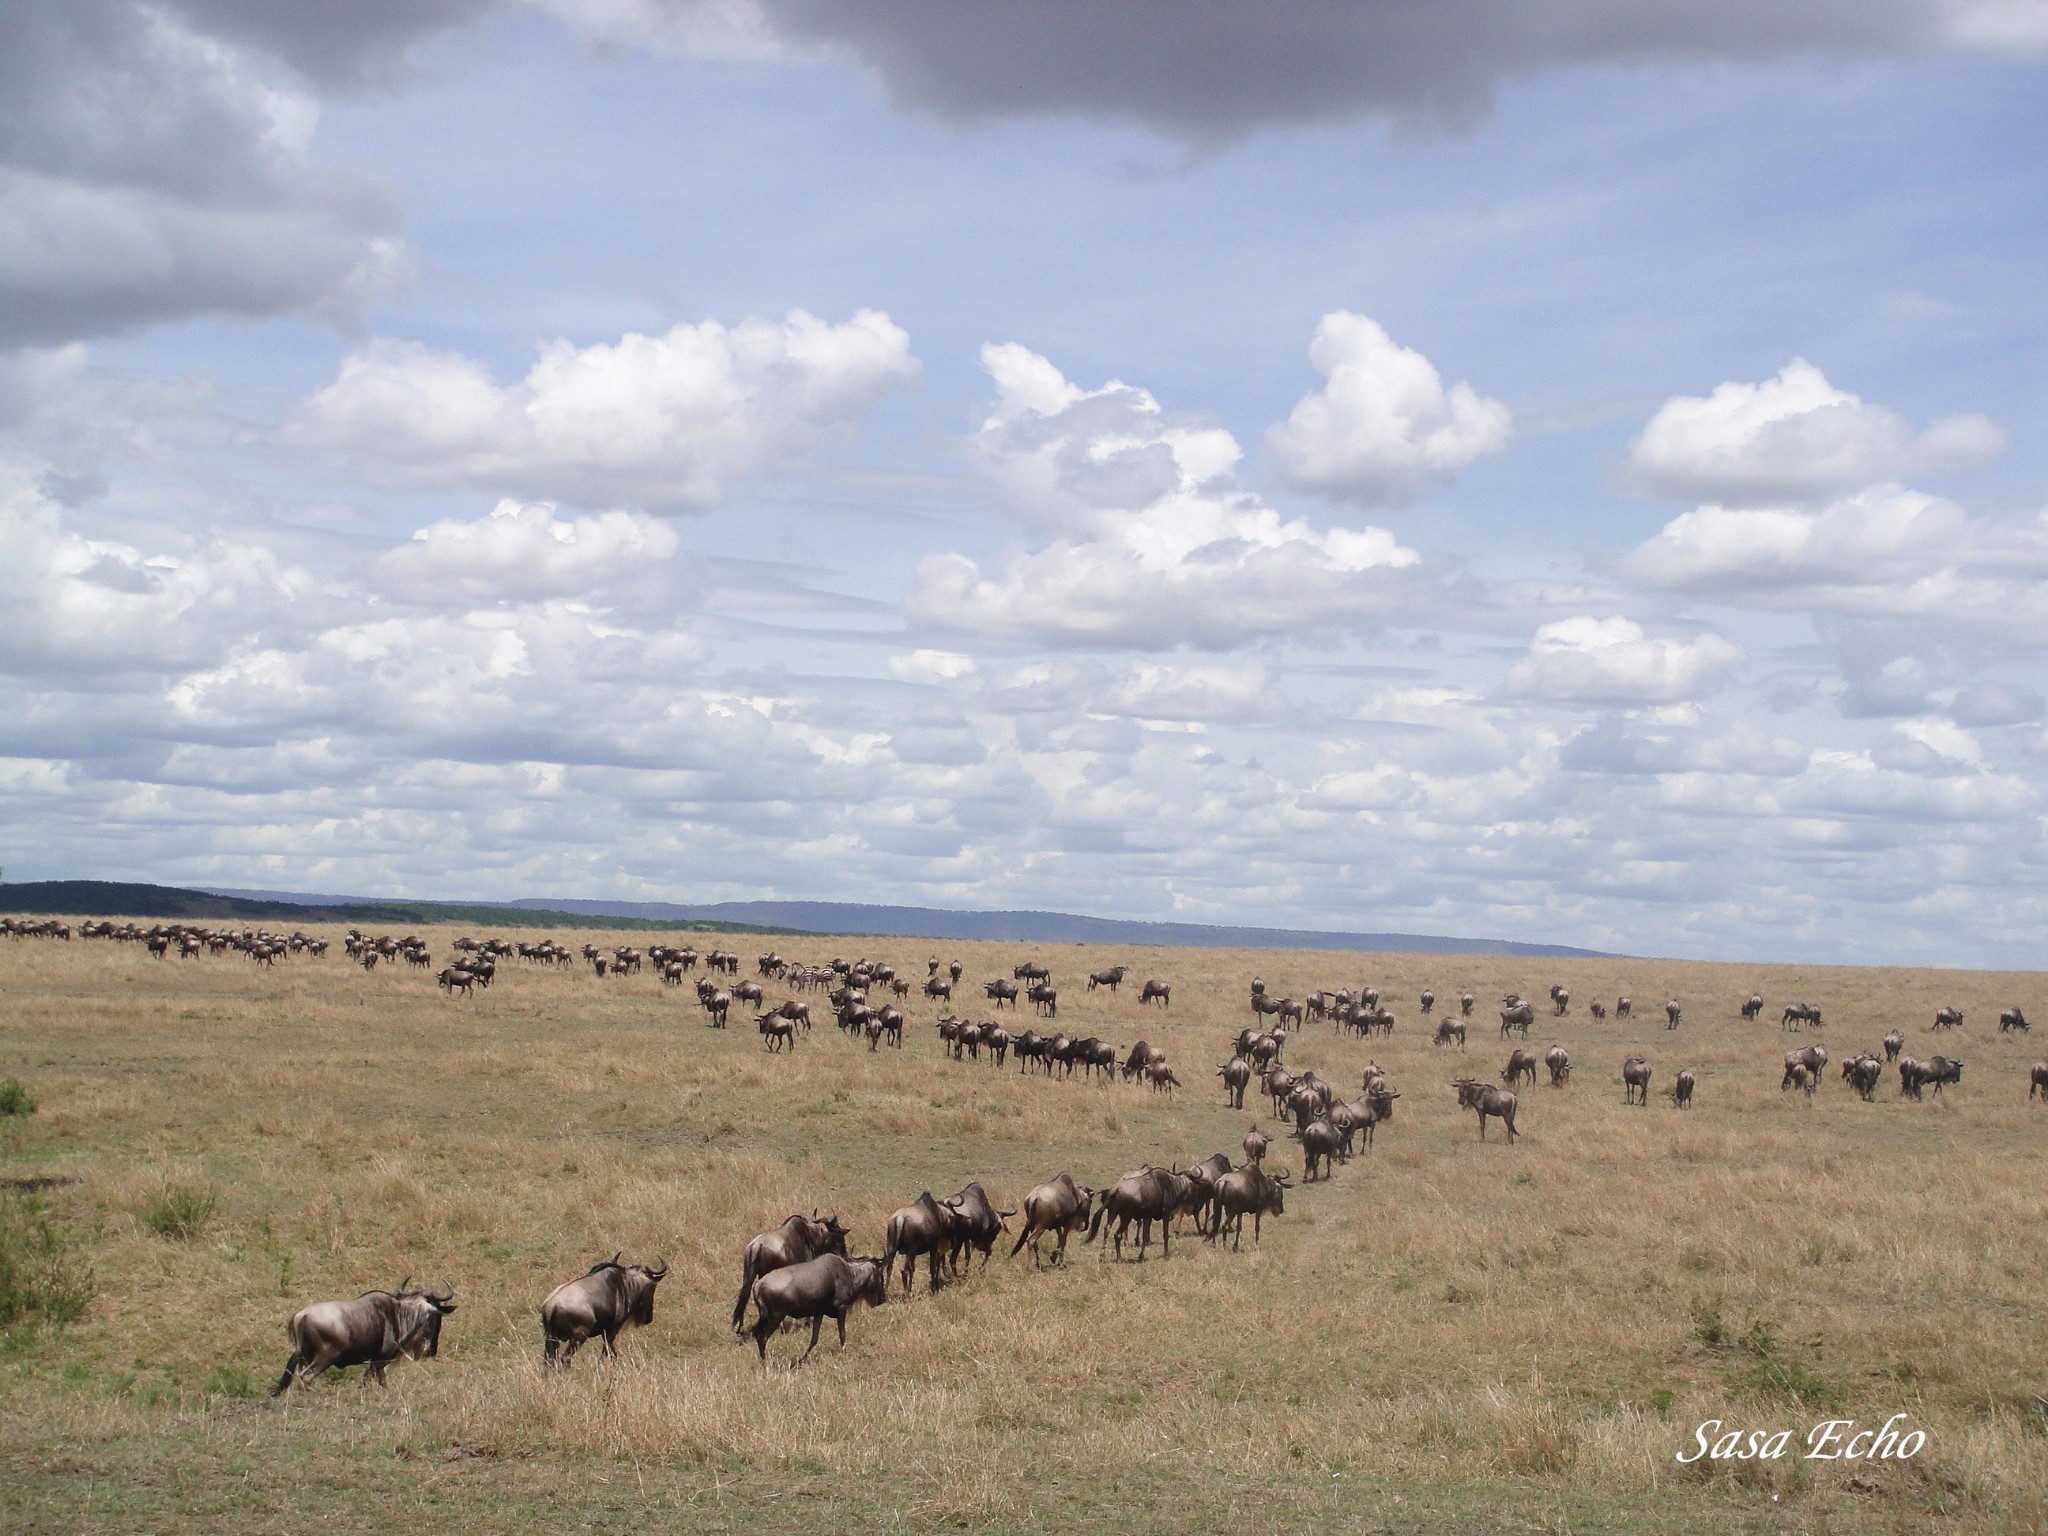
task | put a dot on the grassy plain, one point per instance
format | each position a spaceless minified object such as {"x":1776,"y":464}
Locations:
{"x":1447,"y":1334}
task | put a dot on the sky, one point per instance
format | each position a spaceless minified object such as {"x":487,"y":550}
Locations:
{"x":1568,"y":473}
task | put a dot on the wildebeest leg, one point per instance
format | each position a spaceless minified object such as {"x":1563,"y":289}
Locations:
{"x":298,"y":1359}
{"x":817,"y":1323}
{"x":840,"y":1318}
{"x":765,"y":1325}
{"x":374,"y":1371}
{"x":936,"y":1281}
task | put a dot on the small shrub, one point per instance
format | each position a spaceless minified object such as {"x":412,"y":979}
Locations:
{"x":44,"y":1278}
{"x":15,"y":1099}
{"x":180,"y":1211}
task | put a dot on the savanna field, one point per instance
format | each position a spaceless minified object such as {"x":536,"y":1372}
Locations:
{"x":1445,"y":1335}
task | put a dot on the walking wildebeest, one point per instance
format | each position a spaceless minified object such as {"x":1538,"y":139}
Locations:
{"x":1321,"y":1144}
{"x":1255,"y":1145}
{"x":1488,"y":1101}
{"x":1562,"y":999}
{"x":1893,"y":1044}
{"x":828,"y":1286}
{"x":1236,"y":1073}
{"x":1247,"y":1190}
{"x":1753,"y":1007}
{"x":601,"y":1304}
{"x":1635,"y":1080}
{"x":1001,"y":992}
{"x":1598,"y":1010}
{"x":919,"y":1229}
{"x":1947,"y":1018}
{"x":1147,"y":1196}
{"x":1521,"y":1064}
{"x":1159,"y":990}
{"x":1814,"y":1058}
{"x":777,"y":1032}
{"x":1517,"y":1017}
{"x":1059,"y":1205}
{"x":1863,"y":1074}
{"x":2039,"y":1082}
{"x":1466,"y":1003}
{"x":1681,"y":1090}
{"x":1560,"y":1065}
{"x":1428,"y":1003}
{"x":1797,"y":1014}
{"x":373,"y":1330}
{"x":1936,"y":1070}
{"x":976,"y":1224}
{"x":1111,"y":978}
{"x":797,"y":1239}
{"x":1672,"y":1013}
{"x":2012,"y":1018}
{"x":1623,"y":1007}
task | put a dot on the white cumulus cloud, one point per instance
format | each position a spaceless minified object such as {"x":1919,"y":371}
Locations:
{"x":520,"y":552}
{"x":1588,"y":660}
{"x":1795,"y":438}
{"x":664,"y":423}
{"x":1383,"y":425}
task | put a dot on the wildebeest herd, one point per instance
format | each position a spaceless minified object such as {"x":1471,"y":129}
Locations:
{"x":805,"y":1270}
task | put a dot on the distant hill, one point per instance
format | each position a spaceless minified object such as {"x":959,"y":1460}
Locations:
{"x":115,"y":898}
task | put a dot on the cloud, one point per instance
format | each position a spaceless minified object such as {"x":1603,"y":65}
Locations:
{"x":1155,"y":544}
{"x":930,"y":666}
{"x":1611,"y":661}
{"x":1382,"y":426}
{"x":1211,"y":70}
{"x":1795,"y":438}
{"x":520,"y":552}
{"x":665,"y":423}
{"x":153,"y":170}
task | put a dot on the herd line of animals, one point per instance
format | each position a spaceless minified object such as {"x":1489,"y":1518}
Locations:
{"x":802,"y":1270}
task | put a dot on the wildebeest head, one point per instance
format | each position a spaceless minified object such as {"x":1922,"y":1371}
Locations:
{"x":417,"y":1318}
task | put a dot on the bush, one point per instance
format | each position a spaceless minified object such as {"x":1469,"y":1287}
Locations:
{"x":15,"y":1099}
{"x":179,"y":1211}
{"x":44,"y":1277}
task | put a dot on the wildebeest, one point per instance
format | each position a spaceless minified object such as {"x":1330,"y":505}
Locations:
{"x":1947,"y":1018}
{"x":1449,"y":1029}
{"x":797,"y":1239}
{"x":1598,"y":1010}
{"x":1681,"y":1090}
{"x":1031,"y":970}
{"x":1141,"y":1056}
{"x":1672,"y":1014}
{"x":455,"y":978}
{"x":976,"y":1224}
{"x":1623,"y":1007}
{"x":2039,"y":1082}
{"x":1800,"y":1076}
{"x":1935,"y":1071}
{"x":1517,"y":1017}
{"x":1236,"y":1073}
{"x":1466,"y":1002}
{"x":1255,"y":1145}
{"x":1249,"y":1190}
{"x":1560,"y":1065}
{"x":1814,"y":1058}
{"x":1797,"y":1014}
{"x":777,"y":1033}
{"x":1521,"y":1064}
{"x":1753,"y":1007}
{"x":1156,"y":989}
{"x":1321,"y":1144}
{"x":924,"y":1227}
{"x":373,"y":1330}
{"x":1635,"y":1080}
{"x":1161,"y":1079}
{"x":600,"y":1304}
{"x":818,"y":1288}
{"x":1893,"y":1044}
{"x":2010,"y":1019}
{"x":1562,"y":999}
{"x":1001,"y":992}
{"x":1147,"y":1196}
{"x":938,"y":987}
{"x":1058,"y":1205}
{"x":1863,"y":1074}
{"x":1112,"y":978}
{"x":1488,"y":1101}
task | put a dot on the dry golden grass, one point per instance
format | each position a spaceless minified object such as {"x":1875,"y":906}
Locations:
{"x":1483,"y":1331}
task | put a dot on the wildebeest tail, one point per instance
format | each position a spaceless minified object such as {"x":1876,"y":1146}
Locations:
{"x":739,"y":1308}
{"x":1095,"y":1222}
{"x":1022,"y":1237}
{"x":549,"y":1346}
{"x":291,"y":1369}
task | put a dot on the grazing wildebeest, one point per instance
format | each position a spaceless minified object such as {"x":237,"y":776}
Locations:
{"x":1802,"y":1077}
{"x":1893,"y":1044}
{"x":1635,"y":1080}
{"x":922,"y":1228}
{"x":1672,"y":1013}
{"x":1156,"y":989}
{"x":1598,"y":1010}
{"x":1797,"y":1014}
{"x":797,"y":1239}
{"x":1560,"y":1065}
{"x":1147,"y":1196}
{"x":373,"y":1330}
{"x":1488,"y":1100}
{"x":1681,"y":1090}
{"x":1623,"y":1007}
{"x":1563,"y":1000}
{"x":601,"y":1304}
{"x":1947,"y":1018}
{"x":1247,"y":1190}
{"x":1142,"y":1055}
{"x":1517,"y":1017}
{"x":1936,"y":1070}
{"x":1059,"y":1205}
{"x":1521,"y":1064}
{"x":1449,"y":1029}
{"x":976,"y":1224}
{"x":2012,"y":1018}
{"x":819,"y":1288}
{"x":1428,"y":1003}
{"x":2039,"y":1082}
{"x":1111,"y":978}
{"x":1753,"y":1007}
{"x":1255,"y":1145}
{"x":1814,"y":1058}
{"x":1863,"y":1074}
{"x":1236,"y":1073}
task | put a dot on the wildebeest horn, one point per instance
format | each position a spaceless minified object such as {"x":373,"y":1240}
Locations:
{"x":659,"y":1271}
{"x":405,"y":1285}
